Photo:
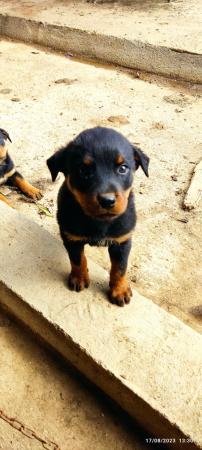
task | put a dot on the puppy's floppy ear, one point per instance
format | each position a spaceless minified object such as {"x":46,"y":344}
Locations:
{"x":59,"y":162}
{"x":141,"y":159}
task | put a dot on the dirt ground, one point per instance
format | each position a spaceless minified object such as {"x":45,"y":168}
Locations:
{"x":175,"y":23}
{"x":53,"y":402}
{"x":46,"y":99}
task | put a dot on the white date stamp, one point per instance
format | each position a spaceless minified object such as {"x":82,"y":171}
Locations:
{"x":156,"y":440}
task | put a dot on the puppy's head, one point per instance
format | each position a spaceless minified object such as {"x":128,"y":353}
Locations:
{"x":98,"y":166}
{"x":4,"y":136}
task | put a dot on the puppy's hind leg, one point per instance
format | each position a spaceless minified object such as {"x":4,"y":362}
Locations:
{"x":5,"y":200}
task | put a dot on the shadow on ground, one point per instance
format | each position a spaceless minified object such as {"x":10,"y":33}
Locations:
{"x":135,"y":4}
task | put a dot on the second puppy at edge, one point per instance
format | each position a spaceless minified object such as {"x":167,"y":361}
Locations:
{"x":96,"y":203}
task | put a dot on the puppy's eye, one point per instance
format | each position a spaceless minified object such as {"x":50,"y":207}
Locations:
{"x":86,"y":171}
{"x":123,"y":169}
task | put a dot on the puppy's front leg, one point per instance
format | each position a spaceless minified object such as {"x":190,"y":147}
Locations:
{"x":120,"y":291}
{"x":25,"y":187}
{"x":78,"y":278}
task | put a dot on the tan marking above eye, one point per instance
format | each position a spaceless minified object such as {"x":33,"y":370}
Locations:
{"x":87,"y":161}
{"x":119,"y":159}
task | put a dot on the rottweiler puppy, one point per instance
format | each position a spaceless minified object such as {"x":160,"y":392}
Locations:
{"x":9,"y":174}
{"x":96,"y":203}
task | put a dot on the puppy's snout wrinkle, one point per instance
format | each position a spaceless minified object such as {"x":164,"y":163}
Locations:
{"x":107,"y":201}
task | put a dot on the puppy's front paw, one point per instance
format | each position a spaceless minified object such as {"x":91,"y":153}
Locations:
{"x":34,"y":193}
{"x":78,"y":282}
{"x":120,"y":294}
{"x":27,"y":188}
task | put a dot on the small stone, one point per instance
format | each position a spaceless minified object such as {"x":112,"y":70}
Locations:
{"x":118,"y":120}
{"x":178,"y":110}
{"x":178,"y":191}
{"x":5,"y":91}
{"x":123,"y":376}
{"x":174,"y":177}
{"x":69,"y":55}
{"x":134,"y":278}
{"x":66,"y":81}
{"x":183,"y":220}
{"x":158,"y":125}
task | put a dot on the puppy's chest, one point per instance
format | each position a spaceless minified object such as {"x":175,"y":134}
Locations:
{"x":7,"y":169}
{"x":76,"y":226}
{"x":101,"y":243}
{"x":111,"y":240}
{"x":4,"y":178}
{"x":94,"y":242}
{"x":100,"y":239}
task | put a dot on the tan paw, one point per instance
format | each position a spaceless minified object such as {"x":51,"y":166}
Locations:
{"x":78,"y":282}
{"x":120,"y":294}
{"x":34,"y":193}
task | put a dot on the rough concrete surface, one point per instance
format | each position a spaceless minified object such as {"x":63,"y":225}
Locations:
{"x":156,"y":36}
{"x":46,"y":99}
{"x":47,"y":397}
{"x":141,"y":356}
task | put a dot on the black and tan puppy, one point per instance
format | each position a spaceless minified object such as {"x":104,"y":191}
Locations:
{"x":96,"y":203}
{"x":9,"y":174}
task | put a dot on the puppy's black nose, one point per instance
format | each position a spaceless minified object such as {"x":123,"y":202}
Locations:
{"x":107,"y":201}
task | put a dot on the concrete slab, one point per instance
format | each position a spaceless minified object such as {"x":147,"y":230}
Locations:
{"x":142,"y":357}
{"x":157,"y":37}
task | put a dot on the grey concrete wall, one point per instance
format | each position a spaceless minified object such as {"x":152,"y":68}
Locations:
{"x":131,"y":54}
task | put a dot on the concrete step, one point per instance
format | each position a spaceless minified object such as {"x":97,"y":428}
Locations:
{"x":162,"y":39}
{"x":145,"y":359}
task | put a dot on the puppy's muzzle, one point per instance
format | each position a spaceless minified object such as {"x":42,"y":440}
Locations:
{"x":107,"y":201}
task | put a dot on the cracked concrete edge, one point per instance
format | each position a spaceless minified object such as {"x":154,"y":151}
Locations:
{"x":150,"y":419}
{"x":134,"y":54}
{"x":32,"y":290}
